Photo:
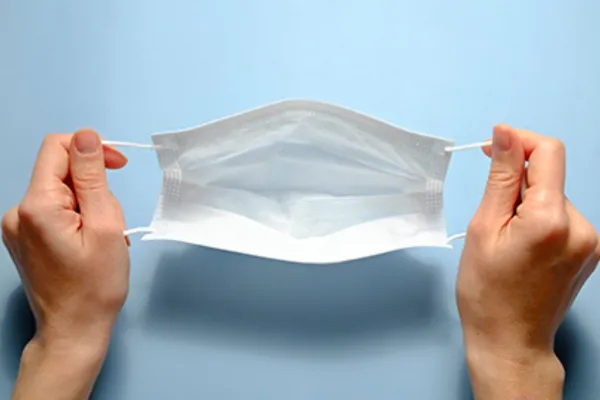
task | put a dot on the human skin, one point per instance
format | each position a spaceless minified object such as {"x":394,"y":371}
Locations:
{"x":527,"y":255}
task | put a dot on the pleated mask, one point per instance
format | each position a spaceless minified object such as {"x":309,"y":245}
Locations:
{"x":301,"y":181}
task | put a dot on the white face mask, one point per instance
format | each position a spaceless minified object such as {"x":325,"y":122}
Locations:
{"x":301,"y":181}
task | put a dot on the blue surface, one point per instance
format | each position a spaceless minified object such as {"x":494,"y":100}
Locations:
{"x":205,"y":324}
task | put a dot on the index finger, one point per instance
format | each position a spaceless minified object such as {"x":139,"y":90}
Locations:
{"x":52,"y":164}
{"x":547,"y":161}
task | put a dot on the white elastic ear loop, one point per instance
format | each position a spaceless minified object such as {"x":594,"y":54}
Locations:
{"x":456,"y":237}
{"x":114,"y":143}
{"x":469,"y":146}
{"x":135,"y":231}
{"x":461,"y":148}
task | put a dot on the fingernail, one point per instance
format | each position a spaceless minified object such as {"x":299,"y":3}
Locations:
{"x":501,"y":141}
{"x":87,"y":142}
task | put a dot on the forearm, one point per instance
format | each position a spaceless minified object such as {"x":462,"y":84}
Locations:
{"x":524,"y":375}
{"x":58,"y":371}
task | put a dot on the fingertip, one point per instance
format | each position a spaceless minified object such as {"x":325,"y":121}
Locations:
{"x":503,"y":129}
{"x":503,"y":139}
{"x":86,"y":129}
{"x":114,"y":159}
{"x":86,"y":141}
{"x":84,"y":132}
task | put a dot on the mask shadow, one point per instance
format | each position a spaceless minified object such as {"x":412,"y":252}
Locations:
{"x":18,"y":328}
{"x":200,"y":291}
{"x":577,"y":352}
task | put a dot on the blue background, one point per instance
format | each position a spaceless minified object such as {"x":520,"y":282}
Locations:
{"x":204,"y":324}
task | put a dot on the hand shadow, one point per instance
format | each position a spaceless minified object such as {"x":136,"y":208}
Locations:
{"x":201,"y":291}
{"x":18,"y":328}
{"x":578,"y":355}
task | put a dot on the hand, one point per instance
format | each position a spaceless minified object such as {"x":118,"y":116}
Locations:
{"x":66,"y":239}
{"x":526,"y":257}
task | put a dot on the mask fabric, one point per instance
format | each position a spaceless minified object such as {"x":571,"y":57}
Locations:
{"x":301,"y":181}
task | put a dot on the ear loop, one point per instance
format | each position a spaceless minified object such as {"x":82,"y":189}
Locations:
{"x":452,"y":149}
{"x":113,"y":143}
{"x":135,"y":231}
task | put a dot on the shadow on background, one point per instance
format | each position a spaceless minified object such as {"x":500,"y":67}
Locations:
{"x":577,"y":352}
{"x":18,"y":327}
{"x":201,"y":291}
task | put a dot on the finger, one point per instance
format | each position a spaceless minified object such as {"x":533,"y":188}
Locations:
{"x":583,"y":238}
{"x":529,"y":139}
{"x":113,"y":158}
{"x":87,"y":167}
{"x":51,"y":166}
{"x":547,"y":167}
{"x":547,"y":161}
{"x":546,"y":174}
{"x":506,"y":174}
{"x":487,"y":150}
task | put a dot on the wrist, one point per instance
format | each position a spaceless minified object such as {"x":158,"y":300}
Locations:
{"x":61,"y":334}
{"x":74,"y":355}
{"x":58,"y":369}
{"x":513,"y":373}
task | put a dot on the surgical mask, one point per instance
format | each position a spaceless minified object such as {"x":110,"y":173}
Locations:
{"x":301,"y":181}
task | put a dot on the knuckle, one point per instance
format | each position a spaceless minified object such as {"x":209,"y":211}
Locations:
{"x":51,"y":138}
{"x":554,"y":144}
{"x":501,"y":178}
{"x":9,"y":229}
{"x":5,"y":226}
{"x":30,"y":212}
{"x":90,"y":181}
{"x":551,"y":226}
{"x":475,"y":228}
{"x":114,"y":298}
{"x":8,"y":221}
{"x":585,"y":244}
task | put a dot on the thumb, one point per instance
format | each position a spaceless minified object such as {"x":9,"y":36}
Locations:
{"x":505,"y":178}
{"x":86,"y":157}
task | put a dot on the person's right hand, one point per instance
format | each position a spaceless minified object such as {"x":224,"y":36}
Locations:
{"x":66,"y":239}
{"x":526,"y":257}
